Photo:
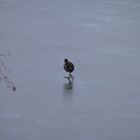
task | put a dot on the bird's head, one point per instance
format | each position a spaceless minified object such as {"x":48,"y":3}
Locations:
{"x":66,"y":60}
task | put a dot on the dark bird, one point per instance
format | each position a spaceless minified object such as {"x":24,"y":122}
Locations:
{"x":68,"y":66}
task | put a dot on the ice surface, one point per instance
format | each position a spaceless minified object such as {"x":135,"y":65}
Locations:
{"x":102,"y":38}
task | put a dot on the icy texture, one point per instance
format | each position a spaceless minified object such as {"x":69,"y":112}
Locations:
{"x":102,"y":38}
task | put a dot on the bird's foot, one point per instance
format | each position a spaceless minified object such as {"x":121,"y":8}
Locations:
{"x":67,"y":77}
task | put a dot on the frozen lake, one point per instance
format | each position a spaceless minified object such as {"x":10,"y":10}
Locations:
{"x":102,"y":38}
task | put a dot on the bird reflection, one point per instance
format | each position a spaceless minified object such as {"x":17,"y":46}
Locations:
{"x":67,"y":92}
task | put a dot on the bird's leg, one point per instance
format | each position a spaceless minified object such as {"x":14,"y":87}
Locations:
{"x":71,"y":80}
{"x":71,"y":76}
{"x":66,"y":77}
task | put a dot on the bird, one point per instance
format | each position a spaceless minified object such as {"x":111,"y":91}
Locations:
{"x":68,"y":67}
